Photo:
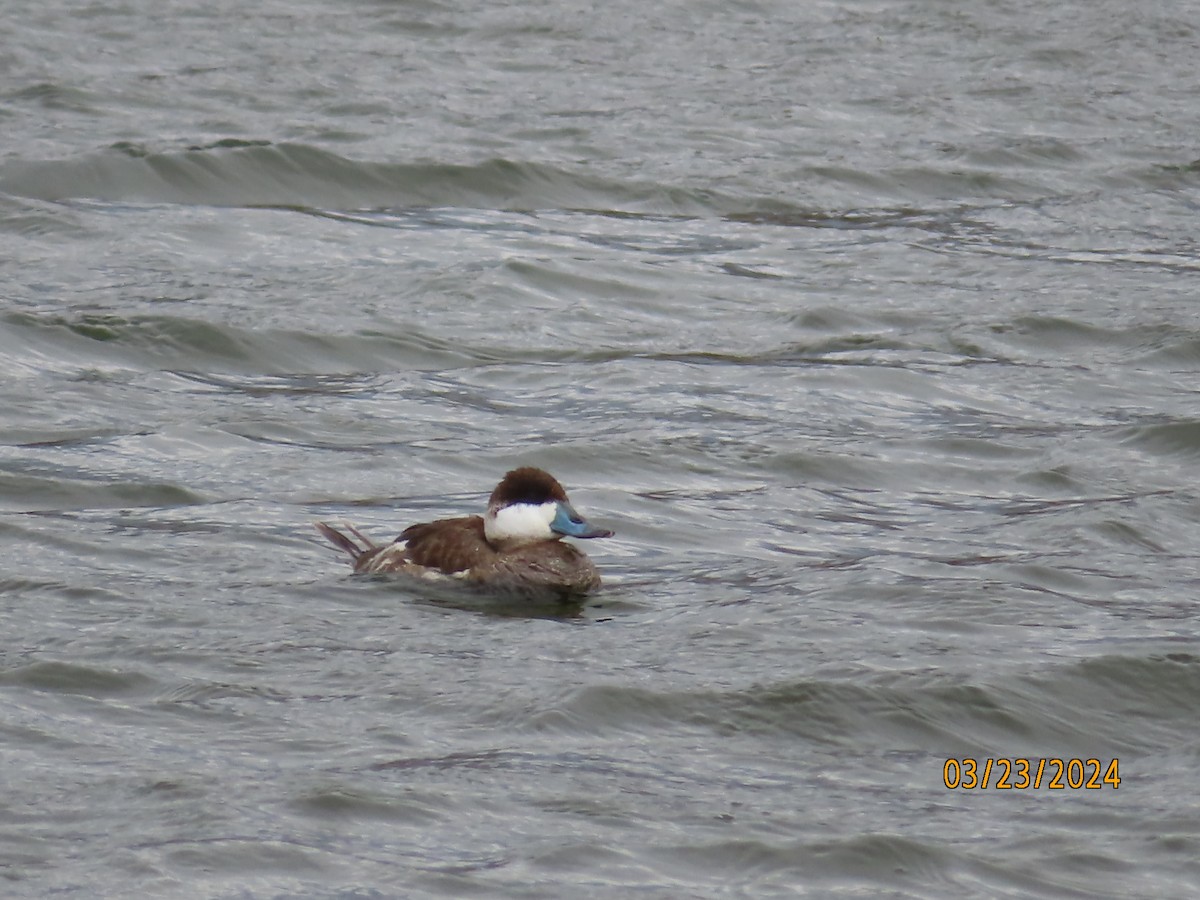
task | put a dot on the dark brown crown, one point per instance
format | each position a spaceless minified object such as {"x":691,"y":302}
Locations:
{"x":526,"y":485}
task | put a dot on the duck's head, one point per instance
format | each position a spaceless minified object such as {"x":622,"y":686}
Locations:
{"x":528,"y":506}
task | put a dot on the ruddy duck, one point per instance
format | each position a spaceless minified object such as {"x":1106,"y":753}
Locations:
{"x":515,"y":545}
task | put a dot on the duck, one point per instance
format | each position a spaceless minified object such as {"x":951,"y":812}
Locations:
{"x":516,"y":545}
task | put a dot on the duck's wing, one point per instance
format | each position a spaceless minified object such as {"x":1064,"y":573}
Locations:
{"x":447,"y":545}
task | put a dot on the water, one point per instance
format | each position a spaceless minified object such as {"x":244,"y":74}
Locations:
{"x":869,"y":327}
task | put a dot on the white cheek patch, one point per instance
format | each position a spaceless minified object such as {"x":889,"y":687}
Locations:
{"x":524,"y":522}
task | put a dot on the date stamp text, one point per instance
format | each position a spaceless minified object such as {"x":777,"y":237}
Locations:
{"x":1024,"y":773}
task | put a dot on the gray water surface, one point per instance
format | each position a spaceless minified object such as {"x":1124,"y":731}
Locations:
{"x":869,"y":327}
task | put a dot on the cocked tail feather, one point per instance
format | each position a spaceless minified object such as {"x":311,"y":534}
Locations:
{"x":342,"y":542}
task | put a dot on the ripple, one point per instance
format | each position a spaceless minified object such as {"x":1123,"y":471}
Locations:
{"x":177,"y":344}
{"x":33,"y":493}
{"x":1171,"y":439}
{"x":70,"y":678}
{"x":1087,"y":707}
{"x":257,"y":174}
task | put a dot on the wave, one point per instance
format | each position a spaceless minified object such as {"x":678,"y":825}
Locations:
{"x":29,"y":341}
{"x":250,"y":174}
{"x":34,"y":342}
{"x":1170,"y":439}
{"x":71,"y":678}
{"x":27,"y":492}
{"x":1103,"y":705}
{"x":299,"y":176}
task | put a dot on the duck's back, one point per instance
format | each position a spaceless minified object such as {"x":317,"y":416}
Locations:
{"x":448,"y":545}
